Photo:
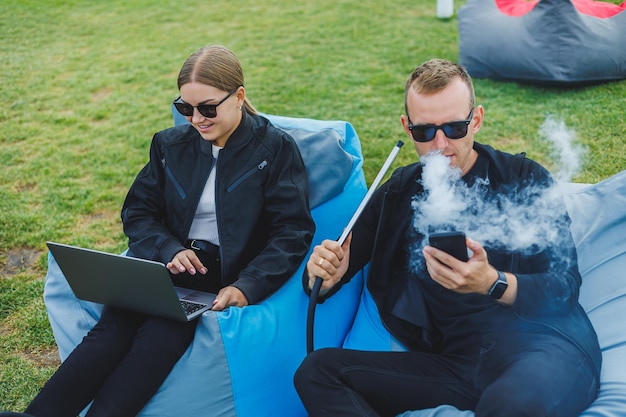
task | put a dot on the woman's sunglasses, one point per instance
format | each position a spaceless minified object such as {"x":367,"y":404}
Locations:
{"x":207,"y":110}
{"x":452,"y":130}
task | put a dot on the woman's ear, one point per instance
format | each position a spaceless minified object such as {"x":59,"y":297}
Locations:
{"x":241,"y":96}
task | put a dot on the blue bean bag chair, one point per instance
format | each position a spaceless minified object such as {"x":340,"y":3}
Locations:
{"x":242,"y":360}
{"x":549,"y":42}
{"x":598,"y":214}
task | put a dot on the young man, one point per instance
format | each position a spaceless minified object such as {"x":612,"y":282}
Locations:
{"x":500,"y":334}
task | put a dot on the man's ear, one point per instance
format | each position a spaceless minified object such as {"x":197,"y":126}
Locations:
{"x":405,"y":124}
{"x":478,"y":117}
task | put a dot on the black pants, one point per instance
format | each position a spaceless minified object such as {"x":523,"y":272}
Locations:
{"x":510,"y":377}
{"x":120,"y":365}
{"x":209,"y":282}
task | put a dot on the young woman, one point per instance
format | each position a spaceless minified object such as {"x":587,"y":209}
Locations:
{"x":223,"y":202}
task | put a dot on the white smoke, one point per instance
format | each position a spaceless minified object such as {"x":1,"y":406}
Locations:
{"x":566,"y":150}
{"x":444,"y":199}
{"x":526,"y":220}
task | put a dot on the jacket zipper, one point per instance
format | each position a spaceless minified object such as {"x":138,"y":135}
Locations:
{"x":170,"y":175}
{"x":247,"y":175}
{"x":214,"y":164}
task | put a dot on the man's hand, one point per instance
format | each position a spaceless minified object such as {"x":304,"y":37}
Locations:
{"x":229,"y":296}
{"x":329,"y":261}
{"x":186,"y":260}
{"x":473,"y":276}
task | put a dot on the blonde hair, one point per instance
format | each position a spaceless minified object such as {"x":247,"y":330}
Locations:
{"x":216,"y":66}
{"x":435,"y":75}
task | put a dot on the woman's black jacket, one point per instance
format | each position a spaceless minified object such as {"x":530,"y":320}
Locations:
{"x":262,"y":203}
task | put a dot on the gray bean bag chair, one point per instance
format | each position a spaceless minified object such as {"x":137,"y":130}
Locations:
{"x":548,"y":42}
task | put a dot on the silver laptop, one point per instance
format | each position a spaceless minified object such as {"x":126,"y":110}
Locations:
{"x":132,"y":283}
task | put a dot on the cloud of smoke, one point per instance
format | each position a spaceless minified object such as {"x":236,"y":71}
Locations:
{"x":566,"y":151}
{"x":525,"y":220}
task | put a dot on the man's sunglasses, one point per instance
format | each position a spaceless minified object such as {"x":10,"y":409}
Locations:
{"x":207,"y":110}
{"x":452,"y":130}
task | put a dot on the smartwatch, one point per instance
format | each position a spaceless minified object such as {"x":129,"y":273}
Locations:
{"x":499,"y":287}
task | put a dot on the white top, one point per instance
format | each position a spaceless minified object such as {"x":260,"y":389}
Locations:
{"x":204,"y":225}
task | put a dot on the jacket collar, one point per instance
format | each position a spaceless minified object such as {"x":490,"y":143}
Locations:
{"x":239,"y":136}
{"x":242,"y":133}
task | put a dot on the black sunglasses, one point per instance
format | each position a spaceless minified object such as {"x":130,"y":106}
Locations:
{"x":452,"y":130}
{"x":207,"y":110}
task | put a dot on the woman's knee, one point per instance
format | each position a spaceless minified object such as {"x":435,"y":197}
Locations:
{"x":164,"y":336}
{"x":117,"y":324}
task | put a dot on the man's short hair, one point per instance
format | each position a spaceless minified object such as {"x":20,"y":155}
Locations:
{"x":435,"y":75}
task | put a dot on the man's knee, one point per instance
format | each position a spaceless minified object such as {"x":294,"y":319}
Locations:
{"x":307,"y":368}
{"x":500,"y":400}
{"x":313,"y":366}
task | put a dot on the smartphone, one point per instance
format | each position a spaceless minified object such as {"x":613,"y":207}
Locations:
{"x":450,"y":242}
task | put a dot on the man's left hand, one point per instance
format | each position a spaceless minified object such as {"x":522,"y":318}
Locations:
{"x":473,"y":276}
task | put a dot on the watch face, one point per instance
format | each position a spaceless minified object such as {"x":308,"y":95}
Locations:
{"x":498,"y":290}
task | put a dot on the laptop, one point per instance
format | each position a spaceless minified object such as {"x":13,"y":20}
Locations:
{"x":132,"y":283}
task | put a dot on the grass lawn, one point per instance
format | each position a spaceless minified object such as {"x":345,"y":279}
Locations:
{"x":85,"y":84}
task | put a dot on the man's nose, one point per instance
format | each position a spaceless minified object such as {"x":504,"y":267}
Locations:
{"x":441,"y":140}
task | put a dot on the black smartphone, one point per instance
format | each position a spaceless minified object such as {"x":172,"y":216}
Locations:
{"x":450,"y":242}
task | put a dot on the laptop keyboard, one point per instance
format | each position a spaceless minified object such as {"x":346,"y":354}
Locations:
{"x":191,"y":307}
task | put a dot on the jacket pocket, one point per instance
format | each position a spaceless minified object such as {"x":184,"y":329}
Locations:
{"x":258,"y":168}
{"x":410,"y":305}
{"x":179,"y":188}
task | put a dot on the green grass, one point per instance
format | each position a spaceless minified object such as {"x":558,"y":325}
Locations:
{"x":85,"y":84}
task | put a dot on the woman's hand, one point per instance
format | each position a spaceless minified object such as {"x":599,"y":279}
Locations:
{"x":186,"y":261}
{"x":229,"y":296}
